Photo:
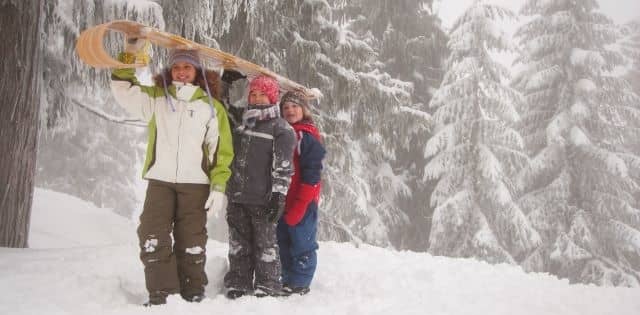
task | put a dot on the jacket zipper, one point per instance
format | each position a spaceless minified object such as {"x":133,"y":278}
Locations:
{"x":181,"y":111}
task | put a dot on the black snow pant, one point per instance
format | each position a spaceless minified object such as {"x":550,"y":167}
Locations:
{"x":253,"y":248}
{"x":178,"y":266}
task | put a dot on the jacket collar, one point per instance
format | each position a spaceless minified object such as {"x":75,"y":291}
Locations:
{"x":307,"y":126}
{"x":187,"y":92}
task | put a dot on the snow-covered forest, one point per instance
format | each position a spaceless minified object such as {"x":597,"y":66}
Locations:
{"x":435,"y":142}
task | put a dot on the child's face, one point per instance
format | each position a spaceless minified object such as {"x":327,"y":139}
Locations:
{"x":183,"y":72}
{"x":292,"y":112}
{"x":257,"y":97}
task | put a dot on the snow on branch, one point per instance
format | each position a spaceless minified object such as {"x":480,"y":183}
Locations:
{"x":103,"y":115}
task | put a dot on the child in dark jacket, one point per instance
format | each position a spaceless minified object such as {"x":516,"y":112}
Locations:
{"x":297,"y":228}
{"x":261,"y":171}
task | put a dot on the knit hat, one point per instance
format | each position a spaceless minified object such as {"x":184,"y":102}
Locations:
{"x":296,"y":97}
{"x":267,"y":85}
{"x":185,"y":55}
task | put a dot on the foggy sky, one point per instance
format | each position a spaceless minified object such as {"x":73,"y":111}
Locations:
{"x":621,"y":11}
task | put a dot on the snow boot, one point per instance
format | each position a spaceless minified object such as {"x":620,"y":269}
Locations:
{"x":156,"y":299}
{"x":233,"y":294}
{"x":296,"y":290}
{"x":194,"y":298}
{"x":263,"y":292}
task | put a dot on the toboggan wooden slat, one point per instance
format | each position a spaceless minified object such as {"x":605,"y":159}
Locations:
{"x":90,"y":49}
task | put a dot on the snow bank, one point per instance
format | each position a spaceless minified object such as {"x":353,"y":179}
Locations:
{"x":59,"y":220}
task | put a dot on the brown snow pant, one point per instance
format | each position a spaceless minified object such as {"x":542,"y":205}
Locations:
{"x":178,"y":266}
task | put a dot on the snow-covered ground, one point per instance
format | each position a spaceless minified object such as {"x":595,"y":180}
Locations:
{"x":84,"y":260}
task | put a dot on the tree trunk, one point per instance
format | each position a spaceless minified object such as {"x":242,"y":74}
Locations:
{"x":20,"y":67}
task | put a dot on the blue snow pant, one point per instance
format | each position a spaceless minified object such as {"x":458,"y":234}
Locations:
{"x":298,"y":247}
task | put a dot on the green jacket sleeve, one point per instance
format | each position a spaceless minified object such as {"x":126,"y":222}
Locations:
{"x":221,"y":172}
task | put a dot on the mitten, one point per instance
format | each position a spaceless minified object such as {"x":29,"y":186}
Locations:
{"x":216,"y":203}
{"x":275,"y":208}
{"x":300,"y":202}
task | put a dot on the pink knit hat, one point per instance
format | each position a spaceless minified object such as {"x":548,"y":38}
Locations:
{"x":268,"y":85}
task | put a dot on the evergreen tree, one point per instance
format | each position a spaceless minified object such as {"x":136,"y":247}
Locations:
{"x":580,"y":190}
{"x":412,"y":48}
{"x":630,"y":43}
{"x":630,"y":48}
{"x":475,"y":149}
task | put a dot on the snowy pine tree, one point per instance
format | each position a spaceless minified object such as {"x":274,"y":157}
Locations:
{"x":475,"y":149}
{"x":376,"y":48}
{"x":580,"y":190}
{"x":630,"y":44}
{"x":337,"y":54}
{"x":412,"y":48}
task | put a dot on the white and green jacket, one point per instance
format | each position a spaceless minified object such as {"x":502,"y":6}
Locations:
{"x":189,"y":138}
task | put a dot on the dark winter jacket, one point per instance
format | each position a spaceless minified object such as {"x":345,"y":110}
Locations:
{"x":263,"y":160}
{"x":305,"y":183}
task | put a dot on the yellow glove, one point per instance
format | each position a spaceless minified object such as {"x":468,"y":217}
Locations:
{"x":137,"y":50}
